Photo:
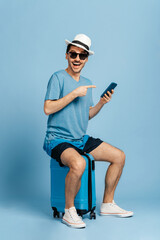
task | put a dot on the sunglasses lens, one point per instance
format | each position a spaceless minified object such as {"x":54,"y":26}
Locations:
{"x":73,"y":55}
{"x":83,"y":56}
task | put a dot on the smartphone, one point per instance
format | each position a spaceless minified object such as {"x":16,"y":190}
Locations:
{"x":109,"y":88}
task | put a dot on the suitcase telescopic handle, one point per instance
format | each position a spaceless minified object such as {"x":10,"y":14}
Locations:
{"x":93,"y":165}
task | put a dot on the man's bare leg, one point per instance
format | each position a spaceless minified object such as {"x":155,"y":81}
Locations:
{"x":71,"y":158}
{"x":116,"y":157}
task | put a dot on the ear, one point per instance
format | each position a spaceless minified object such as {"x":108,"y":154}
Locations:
{"x":66,"y":56}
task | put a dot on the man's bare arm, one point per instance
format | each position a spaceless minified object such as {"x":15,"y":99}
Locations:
{"x":94,"y":110}
{"x":53,"y":106}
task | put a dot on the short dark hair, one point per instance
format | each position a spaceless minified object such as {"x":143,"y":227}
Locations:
{"x":69,"y":46}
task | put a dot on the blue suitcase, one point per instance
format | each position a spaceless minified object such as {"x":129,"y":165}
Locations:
{"x":85,"y":200}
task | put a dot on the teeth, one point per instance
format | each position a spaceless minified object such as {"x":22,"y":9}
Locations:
{"x":76,"y":64}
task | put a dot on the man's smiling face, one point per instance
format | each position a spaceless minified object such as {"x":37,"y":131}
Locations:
{"x":76,"y":64}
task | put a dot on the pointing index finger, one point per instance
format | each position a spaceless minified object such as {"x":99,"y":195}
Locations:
{"x":91,"y":86}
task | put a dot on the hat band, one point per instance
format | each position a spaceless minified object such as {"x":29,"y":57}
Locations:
{"x":80,"y":43}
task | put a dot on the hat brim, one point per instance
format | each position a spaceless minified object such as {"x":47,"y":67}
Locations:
{"x":80,"y":46}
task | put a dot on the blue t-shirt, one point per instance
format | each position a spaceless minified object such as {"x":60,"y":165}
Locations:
{"x":71,"y":122}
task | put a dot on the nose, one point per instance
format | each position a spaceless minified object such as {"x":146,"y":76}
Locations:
{"x":77,"y":58}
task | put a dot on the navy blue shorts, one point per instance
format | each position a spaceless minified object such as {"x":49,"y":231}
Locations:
{"x":89,"y":145}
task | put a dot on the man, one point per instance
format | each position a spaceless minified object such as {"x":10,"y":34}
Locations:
{"x":68,"y":103}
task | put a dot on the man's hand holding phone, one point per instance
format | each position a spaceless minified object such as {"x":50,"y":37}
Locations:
{"x":107,"y":94}
{"x":106,"y":97}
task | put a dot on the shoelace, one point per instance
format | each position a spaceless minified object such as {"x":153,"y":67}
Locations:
{"x":73,"y":214}
{"x":116,"y":206}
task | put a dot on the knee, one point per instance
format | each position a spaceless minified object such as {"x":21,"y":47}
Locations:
{"x":122,"y":158}
{"x":78,"y":166}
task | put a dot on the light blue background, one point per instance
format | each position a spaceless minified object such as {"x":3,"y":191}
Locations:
{"x":126,"y":40}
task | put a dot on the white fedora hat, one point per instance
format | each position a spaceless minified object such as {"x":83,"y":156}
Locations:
{"x":81,"y":41}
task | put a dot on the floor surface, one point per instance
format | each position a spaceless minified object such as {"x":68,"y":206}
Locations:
{"x":35,"y":221}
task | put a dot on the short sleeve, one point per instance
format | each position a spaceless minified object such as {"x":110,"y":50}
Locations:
{"x":53,"y":88}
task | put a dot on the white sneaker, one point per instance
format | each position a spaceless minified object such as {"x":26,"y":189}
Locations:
{"x":111,"y":209}
{"x":72,"y":219}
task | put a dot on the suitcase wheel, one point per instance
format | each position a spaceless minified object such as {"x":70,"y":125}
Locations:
{"x":56,"y":213}
{"x":92,"y":215}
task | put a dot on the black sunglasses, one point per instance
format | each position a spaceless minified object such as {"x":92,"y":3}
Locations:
{"x":82,"y":56}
